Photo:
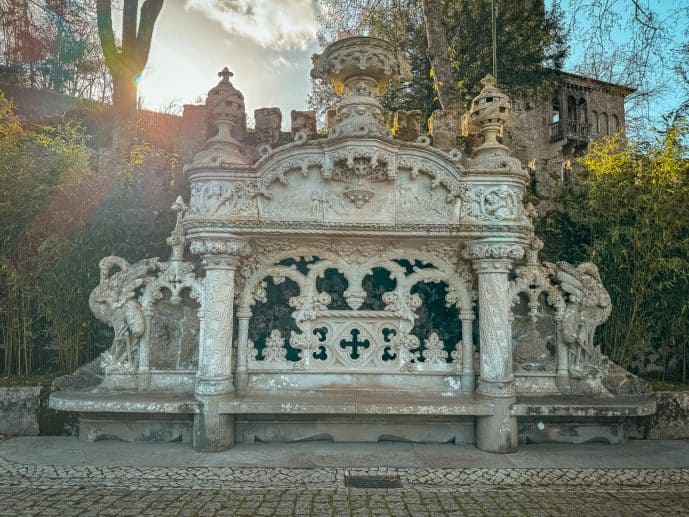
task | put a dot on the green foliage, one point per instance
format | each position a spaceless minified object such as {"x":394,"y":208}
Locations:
{"x":531,"y":46}
{"x":637,"y":212}
{"x":58,"y":218}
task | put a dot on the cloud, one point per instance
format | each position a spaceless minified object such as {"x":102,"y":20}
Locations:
{"x":277,"y":24}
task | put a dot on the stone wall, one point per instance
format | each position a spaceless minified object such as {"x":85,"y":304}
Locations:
{"x":670,"y":422}
{"x":19,"y":410}
{"x":162,"y":131}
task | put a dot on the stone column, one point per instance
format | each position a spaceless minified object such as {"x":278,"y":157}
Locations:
{"x":492,"y":262}
{"x":214,"y":431}
{"x":468,"y":376}
{"x":242,"y":377}
{"x":562,"y":355}
{"x":144,"y":372}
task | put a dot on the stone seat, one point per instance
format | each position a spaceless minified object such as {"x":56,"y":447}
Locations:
{"x":355,"y":402}
{"x":146,"y":402}
{"x":351,"y":402}
{"x":584,"y":406}
{"x":346,"y":414}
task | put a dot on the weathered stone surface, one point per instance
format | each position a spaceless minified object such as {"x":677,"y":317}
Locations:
{"x":304,"y":121}
{"x":407,"y":125}
{"x":19,"y":410}
{"x":671,"y":421}
{"x":133,"y":427}
{"x":619,"y":381}
{"x":175,"y":336}
{"x":330,"y":119}
{"x":85,"y":378}
{"x":444,"y":127}
{"x":267,"y":125}
{"x":554,"y":431}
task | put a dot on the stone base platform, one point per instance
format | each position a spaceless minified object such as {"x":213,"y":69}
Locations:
{"x":350,"y":415}
{"x":576,"y":420}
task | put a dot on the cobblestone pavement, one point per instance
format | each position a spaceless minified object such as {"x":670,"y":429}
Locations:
{"x":85,"y":490}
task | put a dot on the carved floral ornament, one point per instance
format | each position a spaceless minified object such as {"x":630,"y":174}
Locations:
{"x":493,"y":250}
{"x":360,"y":57}
{"x":360,"y":166}
{"x":220,"y":247}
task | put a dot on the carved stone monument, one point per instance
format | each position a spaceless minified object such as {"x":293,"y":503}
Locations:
{"x":354,"y":287}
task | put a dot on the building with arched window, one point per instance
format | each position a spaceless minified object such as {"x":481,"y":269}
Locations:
{"x":548,"y":135}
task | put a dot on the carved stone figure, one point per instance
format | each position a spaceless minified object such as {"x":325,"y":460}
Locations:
{"x":588,"y":305}
{"x":114,"y":302}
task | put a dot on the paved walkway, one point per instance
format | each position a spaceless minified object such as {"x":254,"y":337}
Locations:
{"x":50,"y":476}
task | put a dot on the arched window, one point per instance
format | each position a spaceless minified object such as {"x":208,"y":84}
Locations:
{"x":595,"y":121}
{"x":582,"y":112}
{"x":604,"y":128}
{"x":556,"y":111}
{"x":614,"y":124}
{"x":571,"y":109}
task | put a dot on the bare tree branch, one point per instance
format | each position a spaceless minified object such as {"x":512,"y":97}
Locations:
{"x":106,"y":34}
{"x":149,"y":14}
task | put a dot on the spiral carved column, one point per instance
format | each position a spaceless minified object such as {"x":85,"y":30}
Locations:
{"x":214,"y":431}
{"x":492,"y":263}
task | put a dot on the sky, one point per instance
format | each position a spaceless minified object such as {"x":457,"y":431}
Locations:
{"x":268,"y":45}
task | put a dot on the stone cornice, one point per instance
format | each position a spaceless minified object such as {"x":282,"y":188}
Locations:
{"x":195,"y":226}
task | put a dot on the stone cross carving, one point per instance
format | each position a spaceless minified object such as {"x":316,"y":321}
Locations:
{"x":355,"y":344}
{"x":225,"y":74}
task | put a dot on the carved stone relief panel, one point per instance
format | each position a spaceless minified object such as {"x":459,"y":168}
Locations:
{"x":300,"y":198}
{"x":224,"y":199}
{"x":417,"y":201}
{"x":341,"y":204}
{"x":490,"y":204}
{"x":175,"y":336}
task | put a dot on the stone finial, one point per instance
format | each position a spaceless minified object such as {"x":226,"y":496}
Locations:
{"x":360,"y":69}
{"x":488,"y":114}
{"x":177,"y":239}
{"x":225,"y":110}
{"x":444,"y":127}
{"x":407,"y":125}
{"x":225,"y":74}
{"x":224,"y":100}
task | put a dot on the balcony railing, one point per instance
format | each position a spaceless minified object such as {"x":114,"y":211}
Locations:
{"x":570,"y":130}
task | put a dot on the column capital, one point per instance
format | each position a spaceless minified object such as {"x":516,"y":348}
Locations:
{"x":220,"y":252}
{"x":492,"y":250}
{"x":244,"y":312}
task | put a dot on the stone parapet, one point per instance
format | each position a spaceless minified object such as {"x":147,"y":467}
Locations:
{"x":303,"y":121}
{"x":407,"y":125}
{"x":444,"y":127}
{"x":267,"y":126}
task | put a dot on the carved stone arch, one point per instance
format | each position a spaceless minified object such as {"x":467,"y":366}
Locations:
{"x":582,"y":110}
{"x":571,"y":109}
{"x":247,"y":296}
{"x":604,"y":124}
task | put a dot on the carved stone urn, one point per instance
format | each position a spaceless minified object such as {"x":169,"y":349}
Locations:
{"x":360,"y":69}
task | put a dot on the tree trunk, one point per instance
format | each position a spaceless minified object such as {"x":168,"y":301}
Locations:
{"x":127,"y":63}
{"x":439,"y":54}
{"x":124,"y":107}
